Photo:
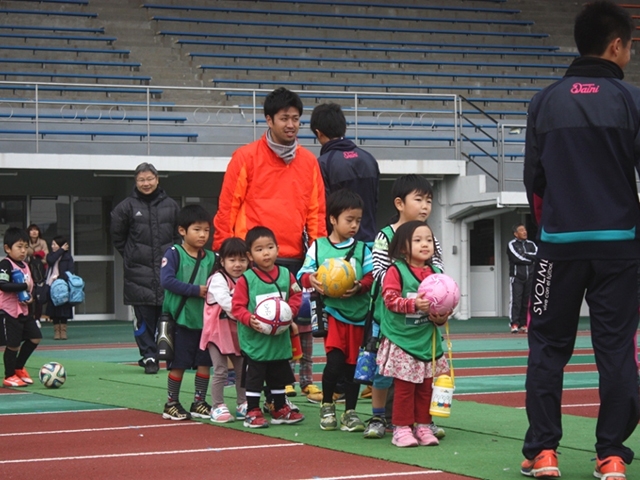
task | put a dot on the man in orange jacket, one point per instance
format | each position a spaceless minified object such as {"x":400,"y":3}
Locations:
{"x":276,"y":183}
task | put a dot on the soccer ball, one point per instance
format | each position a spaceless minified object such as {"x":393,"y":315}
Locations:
{"x":52,"y":375}
{"x":441,"y":291}
{"x":275,"y":316}
{"x":336,"y":276}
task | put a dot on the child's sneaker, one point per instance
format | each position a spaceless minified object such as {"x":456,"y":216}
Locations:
{"x":424,"y":435}
{"x":231,"y":378}
{"x":175,"y":411}
{"x":376,"y":427}
{"x":328,"y":419}
{"x":545,"y":465}
{"x":403,"y":437}
{"x":437,"y":431}
{"x":514,"y":328}
{"x":255,"y":419}
{"x":200,"y":410}
{"x":350,"y":422}
{"x":23,"y":375}
{"x":523,"y":330}
{"x":221,"y":414}
{"x":611,"y":468}
{"x":289,"y":391}
{"x":286,"y":415}
{"x":367,"y":392}
{"x":311,"y":389}
{"x":291,"y":405}
{"x":241,"y":411}
{"x":267,"y":407}
{"x":13,"y":381}
{"x":339,"y":398}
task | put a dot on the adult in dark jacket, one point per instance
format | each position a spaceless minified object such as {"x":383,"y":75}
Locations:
{"x":581,"y":155}
{"x":345,"y":165}
{"x":522,"y":255}
{"x":59,"y":261}
{"x":143,"y":227}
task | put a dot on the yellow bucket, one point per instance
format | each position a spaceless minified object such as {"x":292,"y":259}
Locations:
{"x":442,"y":396}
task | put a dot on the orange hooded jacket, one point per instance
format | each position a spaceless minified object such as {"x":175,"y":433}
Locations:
{"x":259,"y":188}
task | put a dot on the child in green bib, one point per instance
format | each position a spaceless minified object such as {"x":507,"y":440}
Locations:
{"x":408,"y":328}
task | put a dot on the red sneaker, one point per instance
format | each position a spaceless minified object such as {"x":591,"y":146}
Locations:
{"x":545,"y":465}
{"x":285,"y":415}
{"x":13,"y":381}
{"x":611,"y":468}
{"x":255,"y":419}
{"x":24,"y":375}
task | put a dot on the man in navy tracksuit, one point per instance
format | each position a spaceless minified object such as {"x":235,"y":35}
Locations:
{"x":345,"y":165}
{"x":582,"y":150}
{"x":522,"y":256}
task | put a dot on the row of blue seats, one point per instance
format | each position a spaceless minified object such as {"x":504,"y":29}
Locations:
{"x":153,"y":92}
{"x":66,"y":38}
{"x":58,"y":13}
{"x":70,"y":2}
{"x":44,"y":102}
{"x":402,"y":99}
{"x":190,"y":136}
{"x":259,"y":83}
{"x":418,"y":6}
{"x":99,"y":51}
{"x":92,"y":117}
{"x":441,"y":50}
{"x":374,"y":73}
{"x":350,"y":28}
{"x":133,"y":66}
{"x":143,"y":79}
{"x":378,"y":61}
{"x":353,"y":41}
{"x":53,"y":28}
{"x":342,"y":15}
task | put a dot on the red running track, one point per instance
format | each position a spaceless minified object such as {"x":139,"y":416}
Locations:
{"x":129,"y":444}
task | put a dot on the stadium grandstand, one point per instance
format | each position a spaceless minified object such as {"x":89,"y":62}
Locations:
{"x":91,"y":88}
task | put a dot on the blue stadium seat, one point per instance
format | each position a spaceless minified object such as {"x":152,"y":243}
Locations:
{"x":352,"y":41}
{"x":102,"y":116}
{"x":331,"y":15}
{"x":154,"y":92}
{"x":346,"y":86}
{"x":58,"y":13}
{"x":53,"y":28}
{"x":143,"y":79}
{"x":350,"y":28}
{"x":190,"y":136}
{"x":380,"y":61}
{"x":121,"y":53}
{"x":374,"y":73}
{"x":84,"y":63}
{"x":442,"y":50}
{"x":66,"y":38}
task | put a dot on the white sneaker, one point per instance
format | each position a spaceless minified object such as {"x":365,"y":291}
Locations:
{"x":241,"y":411}
{"x":221,"y":414}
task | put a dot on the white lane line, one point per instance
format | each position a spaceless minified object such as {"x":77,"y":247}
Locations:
{"x":377,"y":475}
{"x":66,"y":411}
{"x":104,"y":429}
{"x":571,"y":405}
{"x":146,"y":454}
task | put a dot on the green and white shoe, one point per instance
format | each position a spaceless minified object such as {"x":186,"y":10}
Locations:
{"x":328,"y":419}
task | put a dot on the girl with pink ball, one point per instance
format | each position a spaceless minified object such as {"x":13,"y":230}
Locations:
{"x":408,"y":326}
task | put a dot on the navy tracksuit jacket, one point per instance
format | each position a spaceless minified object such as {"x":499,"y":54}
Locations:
{"x":581,"y":154}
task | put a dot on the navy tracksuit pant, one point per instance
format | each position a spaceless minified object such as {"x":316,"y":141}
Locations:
{"x":556,"y":297}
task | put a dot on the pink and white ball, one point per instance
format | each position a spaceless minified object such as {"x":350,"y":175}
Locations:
{"x":441,"y":291}
{"x":275,"y":316}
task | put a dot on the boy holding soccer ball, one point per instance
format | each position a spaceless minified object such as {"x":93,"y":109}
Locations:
{"x":184,"y":272}
{"x":345,"y":315}
{"x":15,"y":322}
{"x":266,"y":356}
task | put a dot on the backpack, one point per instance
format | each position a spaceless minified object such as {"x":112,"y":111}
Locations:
{"x":59,"y":292}
{"x":76,"y":289}
{"x":37,"y":269}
